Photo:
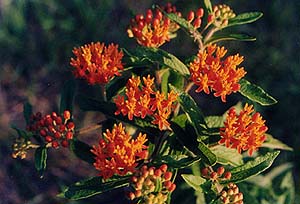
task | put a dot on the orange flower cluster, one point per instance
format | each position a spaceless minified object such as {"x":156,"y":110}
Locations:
{"x":55,"y":129}
{"x":245,"y":131}
{"x":153,"y":29}
{"x":142,"y":100}
{"x":97,"y":63}
{"x":151,"y":185}
{"x":211,"y":73}
{"x":118,"y":153}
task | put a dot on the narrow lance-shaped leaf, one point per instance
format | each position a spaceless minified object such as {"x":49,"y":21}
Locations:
{"x":252,"y":168}
{"x":40,"y":160}
{"x":27,"y":111}
{"x":208,"y":156}
{"x":244,"y":18}
{"x":67,"y":96}
{"x":229,"y":36}
{"x":164,"y":58}
{"x":194,"y":181}
{"x":180,"y":21}
{"x":274,"y":143}
{"x":208,"y":6}
{"x":82,"y":151}
{"x":22,"y":133}
{"x":177,"y":162}
{"x":227,"y":156}
{"x":92,"y":186}
{"x":255,"y":93}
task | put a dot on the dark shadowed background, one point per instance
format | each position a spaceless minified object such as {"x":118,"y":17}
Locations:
{"x":36,"y":39}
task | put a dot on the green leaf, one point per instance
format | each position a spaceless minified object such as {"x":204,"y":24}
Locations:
{"x":171,"y":77}
{"x":208,"y":6}
{"x":92,"y":186}
{"x":229,"y":36}
{"x":116,"y":84}
{"x":194,"y":181}
{"x":22,"y":133}
{"x":214,"y":121}
{"x":27,"y":111}
{"x":274,"y":143}
{"x":193,"y":112}
{"x":82,"y":151}
{"x":180,"y":21}
{"x":255,"y":93}
{"x":165,"y":81}
{"x":156,"y":55}
{"x":40,"y":159}
{"x":67,"y":96}
{"x":227,"y":156}
{"x":207,"y":155}
{"x":252,"y":168}
{"x":244,"y":18}
{"x":177,"y":161}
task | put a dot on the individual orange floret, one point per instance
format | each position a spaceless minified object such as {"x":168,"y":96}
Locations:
{"x":153,"y":29}
{"x":141,"y":100}
{"x":97,"y":63}
{"x":212,"y":73}
{"x":243,"y":131}
{"x":118,"y":153}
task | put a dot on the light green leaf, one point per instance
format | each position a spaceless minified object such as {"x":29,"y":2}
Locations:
{"x":156,"y":55}
{"x":194,"y":181}
{"x":244,"y":18}
{"x":208,"y":6}
{"x":229,"y":36}
{"x":255,"y":93}
{"x":227,"y":156}
{"x":214,"y":121}
{"x":274,"y":143}
{"x":180,"y":21}
{"x":67,"y":96}
{"x":40,"y":159}
{"x":92,"y":186}
{"x":252,"y":168}
{"x":82,"y":151}
{"x":27,"y":111}
{"x":165,"y":81}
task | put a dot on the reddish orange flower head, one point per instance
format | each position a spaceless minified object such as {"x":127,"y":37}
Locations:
{"x":243,"y":131}
{"x":118,"y":153}
{"x":97,"y":63}
{"x":153,"y":29}
{"x":212,"y":73}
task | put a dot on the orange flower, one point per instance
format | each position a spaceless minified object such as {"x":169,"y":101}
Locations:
{"x":142,"y":100}
{"x":153,"y":31}
{"x":97,"y":63}
{"x":118,"y":153}
{"x":211,"y":73}
{"x":245,"y":131}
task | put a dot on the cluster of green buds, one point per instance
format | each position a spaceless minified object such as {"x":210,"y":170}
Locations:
{"x":231,"y":195}
{"x":20,"y":147}
{"x":218,"y":175}
{"x":151,"y":185}
{"x":220,"y":15}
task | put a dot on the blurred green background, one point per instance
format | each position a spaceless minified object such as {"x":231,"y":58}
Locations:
{"x":36,"y":40}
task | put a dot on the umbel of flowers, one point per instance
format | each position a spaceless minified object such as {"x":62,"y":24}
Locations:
{"x":118,"y":153}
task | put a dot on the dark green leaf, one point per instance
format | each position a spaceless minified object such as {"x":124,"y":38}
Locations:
{"x":171,"y":77}
{"x":244,"y":18}
{"x":229,"y":36}
{"x":67,"y":96}
{"x":208,"y":6}
{"x":177,"y":162}
{"x":255,"y":93}
{"x":116,"y":85}
{"x":27,"y":111}
{"x":227,"y":156}
{"x":193,"y":112}
{"x":252,"y":168}
{"x":194,"y":181}
{"x":164,"y":58}
{"x":274,"y":143}
{"x":82,"y":151}
{"x":206,"y":154}
{"x":22,"y":133}
{"x":180,"y":21}
{"x":91,"y":187}
{"x":40,"y":159}
{"x":180,"y":120}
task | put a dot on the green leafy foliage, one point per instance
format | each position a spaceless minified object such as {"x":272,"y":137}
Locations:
{"x":177,"y":162}
{"x":22,"y":133}
{"x":208,"y":6}
{"x":194,"y":181}
{"x":82,"y":151}
{"x":40,"y":160}
{"x":27,"y":111}
{"x":255,"y":93}
{"x":217,"y":37}
{"x":274,"y":143}
{"x":227,"y":156}
{"x":181,"y":22}
{"x":251,"y":168}
{"x":93,"y":186}
{"x":244,"y":18}
{"x":67,"y":96}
